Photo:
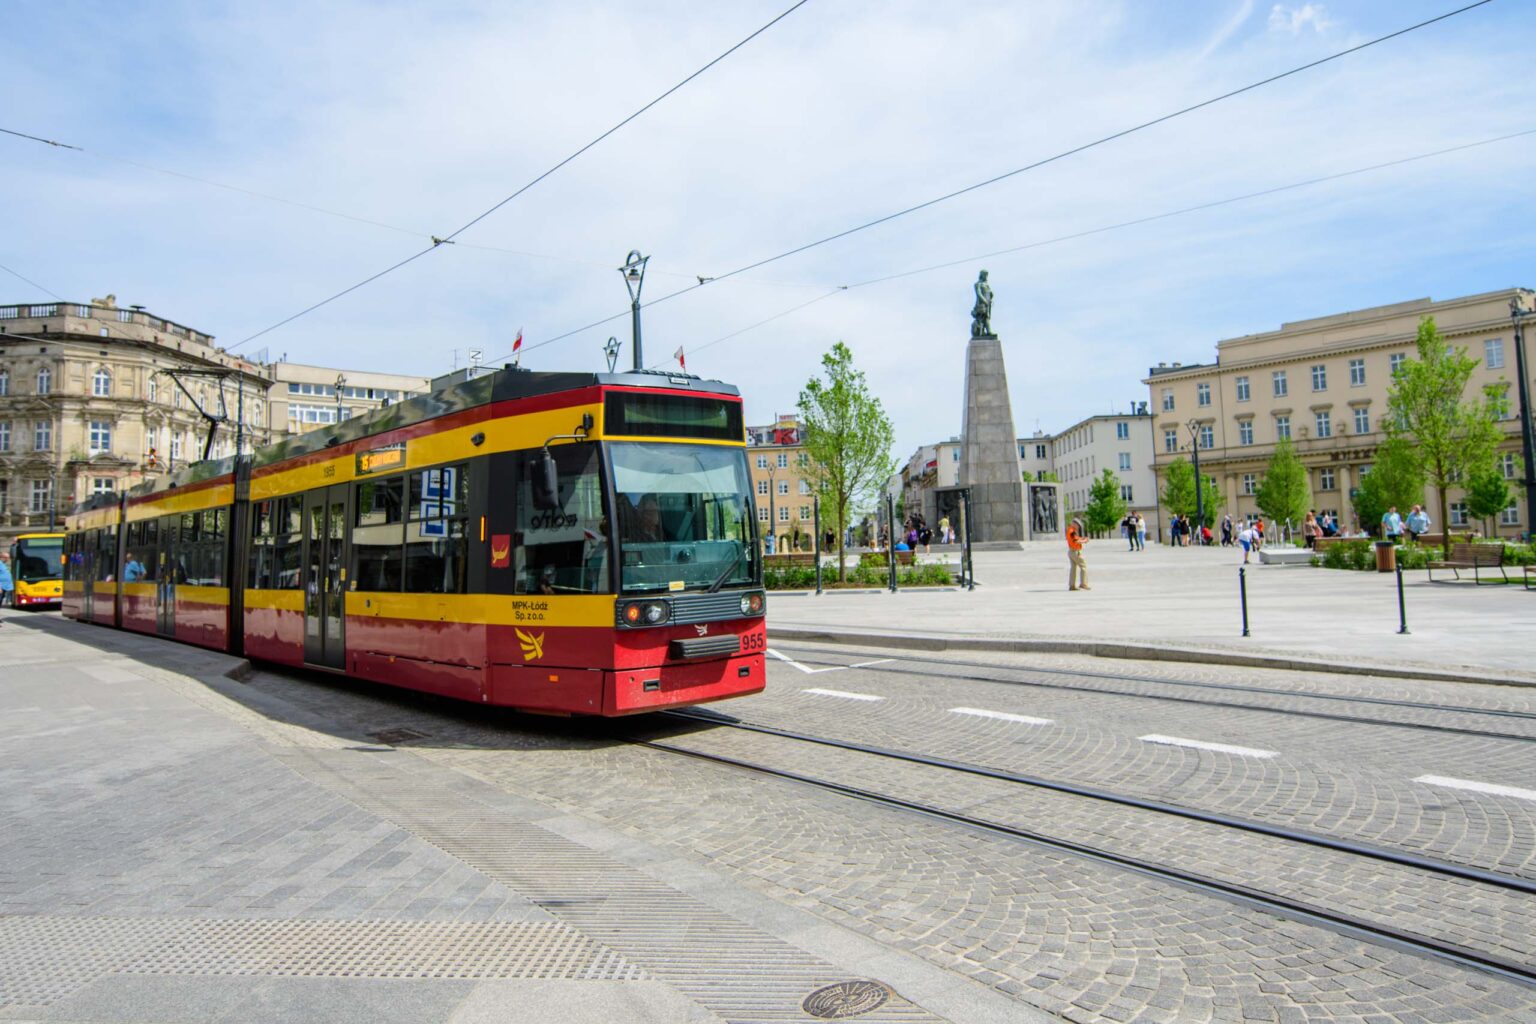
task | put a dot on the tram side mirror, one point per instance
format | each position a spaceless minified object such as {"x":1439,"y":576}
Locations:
{"x":546,"y":482}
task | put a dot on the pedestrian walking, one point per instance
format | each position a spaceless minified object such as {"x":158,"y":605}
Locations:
{"x":1077,"y":569}
{"x":946,"y":536}
{"x":1226,"y":530}
{"x":1141,"y":532}
{"x":1417,"y":523}
{"x":1246,"y":539}
{"x":1309,"y":530}
{"x":1128,"y":530}
{"x":1392,"y":526}
{"x":7,"y":585}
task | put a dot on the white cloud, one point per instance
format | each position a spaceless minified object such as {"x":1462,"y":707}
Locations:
{"x":1294,"y":19}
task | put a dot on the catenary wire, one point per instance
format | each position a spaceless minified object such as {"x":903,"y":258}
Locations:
{"x":34,"y":284}
{"x":1229,"y":200}
{"x":446,"y":239}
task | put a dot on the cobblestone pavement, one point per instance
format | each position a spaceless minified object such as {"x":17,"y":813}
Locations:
{"x":1348,"y":779}
{"x":173,"y":854}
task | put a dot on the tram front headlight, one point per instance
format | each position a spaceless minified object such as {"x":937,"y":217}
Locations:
{"x":752,"y":603}
{"x":646,"y":613}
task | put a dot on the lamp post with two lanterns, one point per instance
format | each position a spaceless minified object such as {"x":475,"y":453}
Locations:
{"x":1522,"y":305}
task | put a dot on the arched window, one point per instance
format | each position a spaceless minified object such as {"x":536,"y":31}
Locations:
{"x":101,"y":384}
{"x":154,"y":389}
{"x":5,"y":382}
{"x":44,"y":381}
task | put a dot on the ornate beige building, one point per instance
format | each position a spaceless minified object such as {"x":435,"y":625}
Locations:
{"x":1323,"y":383}
{"x":87,"y":404}
{"x":781,"y":479}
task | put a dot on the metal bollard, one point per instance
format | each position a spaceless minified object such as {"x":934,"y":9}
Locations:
{"x":1242,"y":589}
{"x":890,"y":517}
{"x":1402,"y":608}
{"x":970,"y":564}
{"x":816,"y":540}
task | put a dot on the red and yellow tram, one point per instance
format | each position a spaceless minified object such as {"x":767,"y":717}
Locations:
{"x":561,"y":543}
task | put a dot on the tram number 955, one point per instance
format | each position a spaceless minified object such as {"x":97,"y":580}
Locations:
{"x":754,"y":641}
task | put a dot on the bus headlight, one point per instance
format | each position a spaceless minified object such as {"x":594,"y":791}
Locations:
{"x":646,"y":613}
{"x":752,"y":604}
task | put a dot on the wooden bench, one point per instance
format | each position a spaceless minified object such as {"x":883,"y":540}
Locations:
{"x":1530,"y":577}
{"x":902,"y":557}
{"x":790,"y":560}
{"x":1472,"y":556}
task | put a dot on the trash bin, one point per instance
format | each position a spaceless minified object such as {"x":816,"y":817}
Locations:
{"x":1386,"y":556}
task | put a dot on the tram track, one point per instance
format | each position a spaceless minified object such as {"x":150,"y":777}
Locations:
{"x":1246,"y":895}
{"x":897,"y":670}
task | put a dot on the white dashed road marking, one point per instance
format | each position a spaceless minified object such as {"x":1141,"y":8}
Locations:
{"x":843,"y":693}
{"x":1478,"y":787}
{"x":1220,"y":748}
{"x":1001,"y":715}
{"x":786,"y":659}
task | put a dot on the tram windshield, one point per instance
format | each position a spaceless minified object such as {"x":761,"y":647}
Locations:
{"x":684,"y":517}
{"x":38,"y":559}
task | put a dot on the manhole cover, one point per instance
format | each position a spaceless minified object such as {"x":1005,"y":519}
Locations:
{"x":846,"y":999}
{"x":394,"y":736}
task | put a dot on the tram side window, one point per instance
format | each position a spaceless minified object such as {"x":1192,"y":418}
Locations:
{"x":563,"y":550}
{"x":287,"y":543}
{"x":105,"y":555}
{"x":378,"y":535}
{"x":212,"y":535}
{"x":139,"y":552}
{"x":436,"y":548}
{"x":149,"y":556}
{"x":258,"y":574}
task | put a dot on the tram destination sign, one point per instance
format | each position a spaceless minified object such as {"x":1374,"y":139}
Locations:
{"x":379,"y":460}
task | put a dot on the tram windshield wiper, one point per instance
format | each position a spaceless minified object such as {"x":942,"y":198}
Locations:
{"x":720,"y":580}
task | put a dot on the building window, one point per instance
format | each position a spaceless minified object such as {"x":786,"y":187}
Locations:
{"x":1458,"y":513}
{"x":1021,"y":452}
{"x":5,"y":435}
{"x":783,"y":513}
{"x":1396,"y":362}
{"x":783,"y":487}
{"x":175,"y":447}
{"x":762,"y":487}
{"x":1170,"y":440}
{"x":1325,"y":480}
{"x":1281,"y":388}
{"x":9,"y":312}
{"x":805,"y":487}
{"x":1362,"y":419}
{"x":805,"y":513}
{"x":954,"y":455}
{"x":42,"y":435}
{"x":1245,"y":432}
{"x":1324,"y":423}
{"x":1125,"y":461}
{"x":762,"y":513}
{"x":44,"y":381}
{"x":103,"y":485}
{"x":101,"y":384}
{"x":1506,"y":461}
{"x":1250,"y":483}
{"x":5,"y":495}
{"x":1493,"y":353}
{"x":42,"y":495}
{"x":48,"y":310}
{"x":783,"y":460}
{"x":1320,"y":378}
{"x":1242,"y":389}
{"x":1125,"y":492}
{"x":1207,"y":437}
{"x":1282,"y":428}
{"x":1039,"y":452}
{"x":154,"y":389}
{"x":1202,"y":394}
{"x":1357,"y":373}
{"x":1511,"y":515}
{"x":1122,"y":431}
{"x":125,"y":316}
{"x":762,"y":462}
{"x":5,"y":383}
{"x":101,"y":436}
{"x":1167,"y":399}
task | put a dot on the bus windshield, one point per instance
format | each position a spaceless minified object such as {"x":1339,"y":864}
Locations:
{"x":684,"y":519}
{"x":38,"y":559}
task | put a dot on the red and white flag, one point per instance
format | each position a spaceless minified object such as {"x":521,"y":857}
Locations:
{"x":678,"y":355}
{"x":517,"y":347}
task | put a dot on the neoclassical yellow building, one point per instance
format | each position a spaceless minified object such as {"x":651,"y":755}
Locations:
{"x":1323,"y":383}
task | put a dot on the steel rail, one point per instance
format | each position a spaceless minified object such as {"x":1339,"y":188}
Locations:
{"x":1331,"y":716}
{"x":1296,"y":910}
{"x":1399,"y":857}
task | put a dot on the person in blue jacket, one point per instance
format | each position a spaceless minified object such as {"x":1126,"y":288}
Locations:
{"x":7,"y":585}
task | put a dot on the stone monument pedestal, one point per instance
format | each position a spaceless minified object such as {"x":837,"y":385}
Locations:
{"x":989,"y":458}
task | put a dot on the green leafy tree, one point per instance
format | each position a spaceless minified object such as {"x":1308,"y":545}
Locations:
{"x":1179,"y":496}
{"x":1105,"y":506}
{"x":848,"y":438}
{"x":1285,"y":495}
{"x":1487,"y":494}
{"x":1395,"y":478}
{"x":1452,"y":435}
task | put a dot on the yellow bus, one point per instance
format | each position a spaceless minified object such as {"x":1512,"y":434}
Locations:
{"x":36,"y":569}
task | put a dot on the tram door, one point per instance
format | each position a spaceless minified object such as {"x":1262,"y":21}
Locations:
{"x":325,"y":576}
{"x":169,"y":570}
{"x":83,"y":559}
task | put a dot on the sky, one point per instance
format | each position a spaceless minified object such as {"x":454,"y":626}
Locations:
{"x":367,"y":128}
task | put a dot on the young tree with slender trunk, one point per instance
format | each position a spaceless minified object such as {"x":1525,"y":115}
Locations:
{"x":1395,"y":478}
{"x":848,"y":439}
{"x":1285,"y":495}
{"x":1105,"y":506}
{"x":1488,"y":494}
{"x":1451,"y":434}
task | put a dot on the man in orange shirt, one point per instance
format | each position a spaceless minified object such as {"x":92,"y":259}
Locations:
{"x":1077,"y":569}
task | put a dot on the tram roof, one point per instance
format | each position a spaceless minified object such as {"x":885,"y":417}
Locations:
{"x":502,"y":386}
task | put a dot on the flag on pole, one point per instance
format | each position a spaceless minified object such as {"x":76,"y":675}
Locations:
{"x":678,"y":355}
{"x":517,"y":348}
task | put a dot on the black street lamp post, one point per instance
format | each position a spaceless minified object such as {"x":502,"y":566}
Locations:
{"x":773,"y":524}
{"x":1194,"y":446}
{"x":634,"y":278}
{"x":1521,"y":306}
